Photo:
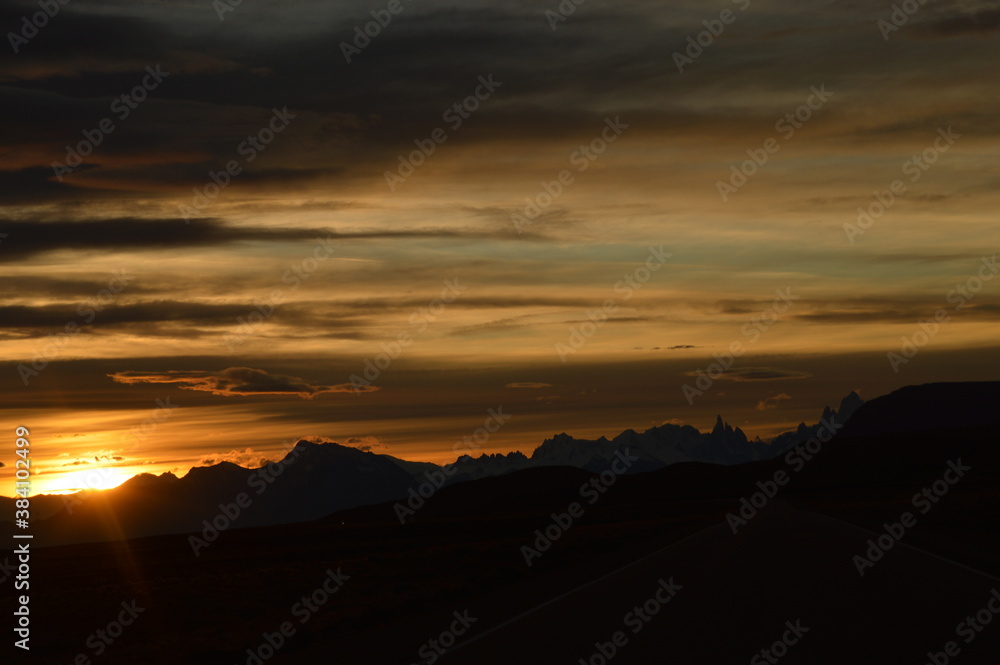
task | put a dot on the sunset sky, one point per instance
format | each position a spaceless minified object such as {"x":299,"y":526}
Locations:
{"x":328,"y":259}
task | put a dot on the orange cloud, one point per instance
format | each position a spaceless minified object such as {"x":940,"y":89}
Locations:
{"x":772,"y":402}
{"x":248,"y":458}
{"x":233,"y":381}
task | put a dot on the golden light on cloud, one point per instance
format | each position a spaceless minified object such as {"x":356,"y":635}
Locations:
{"x":300,"y":295}
{"x":306,"y":268}
{"x":234,"y":381}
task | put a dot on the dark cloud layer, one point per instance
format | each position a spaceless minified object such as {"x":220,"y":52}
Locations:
{"x":355,"y":118}
{"x":954,"y":24}
{"x":750,"y":374}
{"x":26,"y":239}
{"x":29,"y":238}
{"x":167,"y":332}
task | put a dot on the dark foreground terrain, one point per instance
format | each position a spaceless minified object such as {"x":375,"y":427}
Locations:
{"x":652,"y":572}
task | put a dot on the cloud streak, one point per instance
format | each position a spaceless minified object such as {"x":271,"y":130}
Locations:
{"x":27,"y":239}
{"x":234,"y":381}
{"x":752,"y":374}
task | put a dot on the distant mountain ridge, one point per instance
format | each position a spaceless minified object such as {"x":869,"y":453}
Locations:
{"x":841,"y":416}
{"x":318,"y":479}
{"x":313,"y":480}
{"x":799,"y":549}
{"x":656,"y":448}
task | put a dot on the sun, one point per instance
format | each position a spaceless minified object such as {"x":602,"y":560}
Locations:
{"x":90,"y":478}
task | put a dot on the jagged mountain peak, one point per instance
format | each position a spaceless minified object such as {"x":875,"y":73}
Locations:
{"x":850,"y":404}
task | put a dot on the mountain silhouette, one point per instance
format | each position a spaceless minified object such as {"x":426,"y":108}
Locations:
{"x":318,"y":479}
{"x":656,"y":448}
{"x":311,"y":481}
{"x":793,"y":559}
{"x":928,"y":407}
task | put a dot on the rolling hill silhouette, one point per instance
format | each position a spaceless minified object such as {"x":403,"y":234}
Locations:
{"x":792,"y":561}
